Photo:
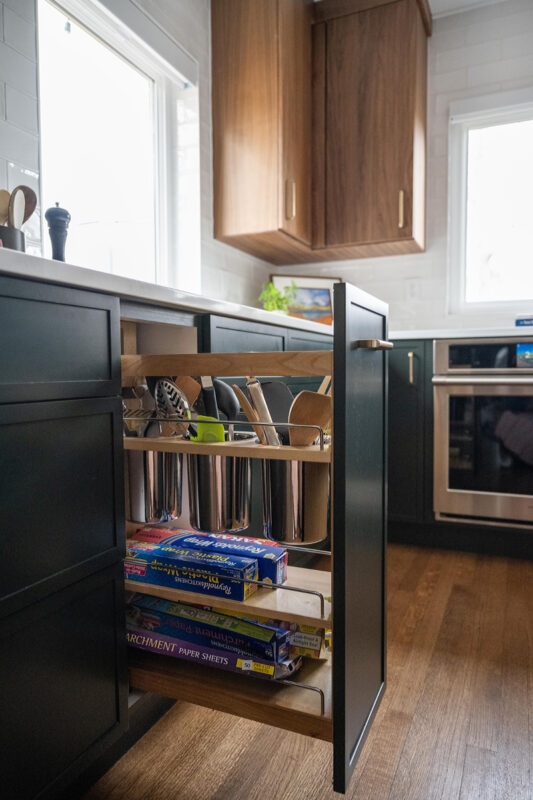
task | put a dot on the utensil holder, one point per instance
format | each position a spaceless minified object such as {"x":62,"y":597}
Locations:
{"x":12,"y":238}
{"x":219,"y":490}
{"x":155,"y":486}
{"x":295,"y":501}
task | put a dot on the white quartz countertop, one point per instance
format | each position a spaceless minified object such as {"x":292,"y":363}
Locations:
{"x":462,"y":333}
{"x":22,"y":265}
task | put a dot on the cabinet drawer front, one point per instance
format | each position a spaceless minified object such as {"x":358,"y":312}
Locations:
{"x":224,"y":335}
{"x":61,"y":493}
{"x":308,"y":341}
{"x":57,"y":343}
{"x":62,"y":666}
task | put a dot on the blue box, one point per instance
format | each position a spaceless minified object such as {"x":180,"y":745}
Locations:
{"x":207,"y":573}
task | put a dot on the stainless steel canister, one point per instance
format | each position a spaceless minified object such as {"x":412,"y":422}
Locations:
{"x":219,"y":490}
{"x":154,"y":486}
{"x":295,"y":501}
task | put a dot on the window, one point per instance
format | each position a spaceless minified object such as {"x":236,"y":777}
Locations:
{"x":119,"y":145}
{"x":491,"y":202}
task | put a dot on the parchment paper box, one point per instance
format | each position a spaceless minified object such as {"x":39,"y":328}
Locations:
{"x":192,"y":570}
{"x":207,"y":628}
{"x":271,"y":557}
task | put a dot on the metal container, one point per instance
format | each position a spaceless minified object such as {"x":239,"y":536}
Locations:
{"x":154,"y":486}
{"x":295,"y":501}
{"x":219,"y":490}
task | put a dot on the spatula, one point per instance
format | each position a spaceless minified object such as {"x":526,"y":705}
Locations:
{"x":279,"y":399}
{"x":258,"y":401}
{"x":250,"y":413}
{"x":227,"y":402}
{"x":309,"y":408}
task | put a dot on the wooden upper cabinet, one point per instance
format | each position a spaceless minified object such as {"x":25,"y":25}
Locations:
{"x":370,"y":86}
{"x":319,"y":120}
{"x":261,"y":67}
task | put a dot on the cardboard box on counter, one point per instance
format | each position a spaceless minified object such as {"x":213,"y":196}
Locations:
{"x":271,"y":557}
{"x":192,"y":570}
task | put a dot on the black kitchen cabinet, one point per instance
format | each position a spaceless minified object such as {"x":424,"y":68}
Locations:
{"x":63,"y":673}
{"x":62,"y":630}
{"x":407,"y":386}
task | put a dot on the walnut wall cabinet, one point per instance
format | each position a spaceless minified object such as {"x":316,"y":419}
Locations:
{"x":262,"y":124}
{"x":350,"y":130}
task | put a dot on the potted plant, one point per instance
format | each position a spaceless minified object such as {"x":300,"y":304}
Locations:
{"x":275,"y":300}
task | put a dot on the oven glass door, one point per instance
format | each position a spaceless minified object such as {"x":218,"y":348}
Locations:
{"x":484,"y":451}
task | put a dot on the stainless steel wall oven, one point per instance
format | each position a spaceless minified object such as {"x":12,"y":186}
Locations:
{"x":483,"y":430}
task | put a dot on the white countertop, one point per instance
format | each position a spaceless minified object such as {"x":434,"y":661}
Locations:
{"x":22,"y":265}
{"x":462,"y":333}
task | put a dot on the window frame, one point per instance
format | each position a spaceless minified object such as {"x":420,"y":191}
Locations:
{"x":466,"y":115}
{"x":135,"y":36}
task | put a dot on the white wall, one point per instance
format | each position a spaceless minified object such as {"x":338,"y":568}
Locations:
{"x":227,"y":274}
{"x":19,"y":142}
{"x":473,"y":53}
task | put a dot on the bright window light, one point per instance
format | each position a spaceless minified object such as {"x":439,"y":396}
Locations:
{"x":98,"y":148}
{"x":499,"y":213}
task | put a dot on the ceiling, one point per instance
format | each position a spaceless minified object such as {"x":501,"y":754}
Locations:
{"x":440,"y":8}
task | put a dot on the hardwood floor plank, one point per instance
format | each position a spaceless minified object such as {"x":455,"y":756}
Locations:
{"x":456,"y":722}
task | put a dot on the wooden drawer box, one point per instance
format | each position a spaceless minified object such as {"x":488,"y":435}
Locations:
{"x":57,"y":343}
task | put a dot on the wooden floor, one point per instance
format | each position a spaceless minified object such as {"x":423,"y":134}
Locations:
{"x":456,"y":722}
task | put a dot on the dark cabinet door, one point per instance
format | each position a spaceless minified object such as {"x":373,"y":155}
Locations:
{"x":64,"y":695}
{"x":61,"y":495}
{"x":226,"y":335}
{"x":57,"y":343}
{"x":406,"y":431}
{"x":359,"y":523}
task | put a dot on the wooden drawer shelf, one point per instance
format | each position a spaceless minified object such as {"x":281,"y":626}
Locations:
{"x":289,"y":707}
{"x":282,"y":604}
{"x":172,"y":444}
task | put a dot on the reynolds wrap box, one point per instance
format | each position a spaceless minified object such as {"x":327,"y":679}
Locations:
{"x":192,"y":570}
{"x":271,"y":556}
{"x":207,"y":628}
{"x":213,"y":657}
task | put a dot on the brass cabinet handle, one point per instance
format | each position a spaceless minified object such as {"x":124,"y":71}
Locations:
{"x":290,"y":199}
{"x":411,"y":356}
{"x":371,"y":344}
{"x":401,"y":209}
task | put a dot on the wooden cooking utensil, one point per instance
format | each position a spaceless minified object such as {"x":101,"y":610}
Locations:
{"x":4,"y":205}
{"x":190,"y":388}
{"x":250,"y":412}
{"x":324,"y":386}
{"x":259,"y":403}
{"x":31,"y":202}
{"x":309,"y":408}
{"x":17,"y":208}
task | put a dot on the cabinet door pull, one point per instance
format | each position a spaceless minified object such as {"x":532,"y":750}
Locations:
{"x":290,"y":199}
{"x":371,"y":344}
{"x":401,"y":209}
{"x":411,"y":356}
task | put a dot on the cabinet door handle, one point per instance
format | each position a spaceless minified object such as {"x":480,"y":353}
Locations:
{"x":371,"y":344}
{"x":411,"y":356}
{"x":290,"y":199}
{"x":401,"y":209}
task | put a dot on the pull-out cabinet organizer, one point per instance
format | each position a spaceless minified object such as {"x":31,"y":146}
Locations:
{"x":334,"y":700}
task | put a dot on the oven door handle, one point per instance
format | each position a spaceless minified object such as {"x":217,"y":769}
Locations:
{"x":487,"y":380}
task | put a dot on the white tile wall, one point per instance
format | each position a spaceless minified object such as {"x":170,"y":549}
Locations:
{"x":19,"y":143}
{"x":477,"y":52}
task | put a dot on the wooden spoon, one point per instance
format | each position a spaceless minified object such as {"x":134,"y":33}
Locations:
{"x":31,"y":202}
{"x":4,"y":205}
{"x":309,"y":408}
{"x":325,"y":385}
{"x":17,"y":208}
{"x":190,"y":388}
{"x":251,"y":413}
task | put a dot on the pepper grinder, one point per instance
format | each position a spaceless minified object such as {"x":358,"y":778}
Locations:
{"x":58,"y":220}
